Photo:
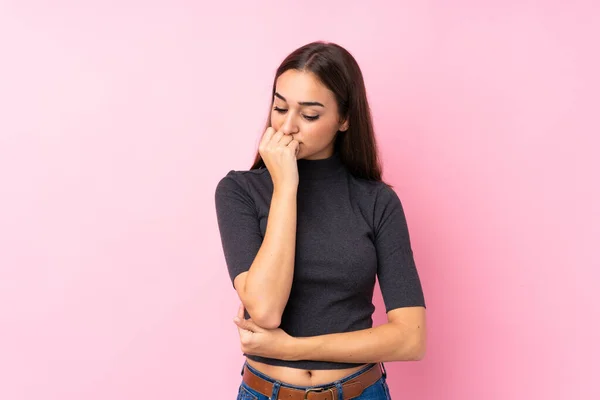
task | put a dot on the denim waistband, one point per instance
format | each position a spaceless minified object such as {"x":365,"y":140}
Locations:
{"x":333,"y":383}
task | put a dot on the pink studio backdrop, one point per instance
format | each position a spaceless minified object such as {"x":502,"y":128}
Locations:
{"x":117,"y":120}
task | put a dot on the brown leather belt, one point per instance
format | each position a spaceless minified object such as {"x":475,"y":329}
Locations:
{"x":351,"y":389}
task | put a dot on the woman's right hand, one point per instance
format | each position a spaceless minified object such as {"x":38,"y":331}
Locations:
{"x":279,"y":151}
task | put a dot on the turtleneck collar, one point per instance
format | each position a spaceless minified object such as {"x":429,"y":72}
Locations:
{"x":320,"y":169}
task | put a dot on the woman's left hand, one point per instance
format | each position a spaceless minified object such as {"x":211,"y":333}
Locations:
{"x":254,"y":340}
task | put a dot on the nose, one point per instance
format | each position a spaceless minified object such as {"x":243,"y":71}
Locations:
{"x":289,"y":125}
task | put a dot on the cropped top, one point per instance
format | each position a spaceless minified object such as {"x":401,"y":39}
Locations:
{"x":348,"y":231}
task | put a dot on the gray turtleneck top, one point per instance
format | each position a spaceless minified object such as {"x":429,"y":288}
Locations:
{"x":348,"y":231}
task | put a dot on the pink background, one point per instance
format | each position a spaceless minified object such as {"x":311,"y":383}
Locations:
{"x":118,"y":118}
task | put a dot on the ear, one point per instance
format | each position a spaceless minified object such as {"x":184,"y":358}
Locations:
{"x":344,"y":127}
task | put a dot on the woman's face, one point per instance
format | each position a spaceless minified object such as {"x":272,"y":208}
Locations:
{"x":305,"y":108}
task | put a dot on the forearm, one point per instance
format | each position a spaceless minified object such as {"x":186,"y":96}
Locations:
{"x":387,"y":342}
{"x":269,"y":279}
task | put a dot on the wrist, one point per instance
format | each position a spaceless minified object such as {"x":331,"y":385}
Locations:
{"x":285,"y":189}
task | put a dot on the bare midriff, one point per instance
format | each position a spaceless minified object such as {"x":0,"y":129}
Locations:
{"x":303,"y":377}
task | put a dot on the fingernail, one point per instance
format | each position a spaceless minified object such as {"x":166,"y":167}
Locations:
{"x":236,"y":319}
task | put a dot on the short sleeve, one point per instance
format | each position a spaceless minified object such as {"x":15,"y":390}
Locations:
{"x":396,"y":269}
{"x":238,"y":223}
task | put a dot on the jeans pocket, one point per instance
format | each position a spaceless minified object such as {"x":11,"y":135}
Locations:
{"x":245,"y":394}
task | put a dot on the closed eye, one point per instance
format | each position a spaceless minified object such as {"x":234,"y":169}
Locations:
{"x":308,"y":117}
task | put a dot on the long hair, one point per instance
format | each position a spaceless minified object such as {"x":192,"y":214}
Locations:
{"x":337,"y":69}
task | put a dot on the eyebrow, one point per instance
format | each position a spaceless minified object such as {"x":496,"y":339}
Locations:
{"x":302,"y":103}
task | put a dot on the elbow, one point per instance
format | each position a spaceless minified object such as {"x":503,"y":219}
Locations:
{"x":261,"y":315}
{"x":266,"y":319}
{"x":411,"y":348}
{"x":418,"y":354}
{"x":419,"y":348}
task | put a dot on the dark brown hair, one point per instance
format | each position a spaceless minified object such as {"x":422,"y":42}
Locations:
{"x":337,"y":69}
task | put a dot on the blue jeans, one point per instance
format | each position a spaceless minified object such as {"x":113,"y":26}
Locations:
{"x":377,"y":391}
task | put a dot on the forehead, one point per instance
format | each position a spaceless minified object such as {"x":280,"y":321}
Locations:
{"x":298,"y":86}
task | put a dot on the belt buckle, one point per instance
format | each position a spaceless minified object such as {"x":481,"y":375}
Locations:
{"x":318,"y":390}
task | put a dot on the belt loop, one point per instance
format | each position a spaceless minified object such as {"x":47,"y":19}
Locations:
{"x":340,"y":391}
{"x":384,"y":372}
{"x":275,"y":392}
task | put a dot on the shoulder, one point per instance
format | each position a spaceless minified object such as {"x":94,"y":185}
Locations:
{"x":375,"y":192}
{"x":241,"y":182}
{"x":386,"y":194}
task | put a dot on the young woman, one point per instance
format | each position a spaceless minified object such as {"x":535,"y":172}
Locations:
{"x":306,"y":230}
